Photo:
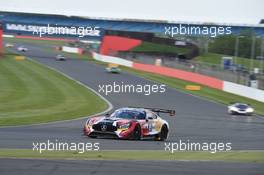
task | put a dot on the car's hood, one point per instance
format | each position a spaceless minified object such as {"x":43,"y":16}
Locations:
{"x":109,"y":119}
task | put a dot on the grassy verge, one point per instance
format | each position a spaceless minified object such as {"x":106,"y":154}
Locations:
{"x":160,"y":48}
{"x":232,"y":156}
{"x":31,"y":93}
{"x":216,"y":59}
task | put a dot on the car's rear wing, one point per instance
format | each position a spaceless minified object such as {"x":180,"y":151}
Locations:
{"x":159,"y":110}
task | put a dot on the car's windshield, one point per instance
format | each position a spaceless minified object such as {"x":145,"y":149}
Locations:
{"x":241,"y":106}
{"x":129,"y":114}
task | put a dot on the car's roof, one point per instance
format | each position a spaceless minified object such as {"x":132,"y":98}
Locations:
{"x":133,"y":109}
{"x":241,"y":104}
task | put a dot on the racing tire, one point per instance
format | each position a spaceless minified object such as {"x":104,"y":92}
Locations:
{"x":137,"y":133}
{"x":162,"y":136}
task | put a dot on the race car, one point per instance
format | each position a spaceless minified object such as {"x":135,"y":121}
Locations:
{"x":22,"y":49}
{"x":240,"y":108}
{"x":130,"y":123}
{"x":60,"y":58}
{"x":113,"y":68}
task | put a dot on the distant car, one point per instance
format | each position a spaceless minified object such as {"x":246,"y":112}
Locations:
{"x":113,"y":68}
{"x":240,"y":108}
{"x":22,"y":49}
{"x":60,"y":58}
{"x":9,"y":45}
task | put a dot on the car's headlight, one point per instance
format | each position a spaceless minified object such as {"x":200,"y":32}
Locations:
{"x":124,"y":126}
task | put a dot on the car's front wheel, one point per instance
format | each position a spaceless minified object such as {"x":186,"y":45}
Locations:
{"x":137,"y":132}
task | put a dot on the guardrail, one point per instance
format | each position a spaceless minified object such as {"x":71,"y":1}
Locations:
{"x":72,"y":49}
{"x":244,"y":91}
{"x":111,"y":59}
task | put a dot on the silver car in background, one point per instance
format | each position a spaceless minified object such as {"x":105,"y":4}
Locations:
{"x":240,"y":108}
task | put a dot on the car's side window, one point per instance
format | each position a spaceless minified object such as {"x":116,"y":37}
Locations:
{"x":151,"y":115}
{"x":155,"y":115}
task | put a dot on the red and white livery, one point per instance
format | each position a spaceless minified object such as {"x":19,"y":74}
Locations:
{"x":130,"y":123}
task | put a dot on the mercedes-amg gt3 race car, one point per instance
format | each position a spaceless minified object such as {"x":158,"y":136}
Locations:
{"x":240,"y":108}
{"x":130,"y":123}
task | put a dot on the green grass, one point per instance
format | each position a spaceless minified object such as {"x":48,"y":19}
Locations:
{"x":206,"y":92}
{"x":158,"y":48}
{"x":31,"y":93}
{"x":213,"y":58}
{"x":232,"y":156}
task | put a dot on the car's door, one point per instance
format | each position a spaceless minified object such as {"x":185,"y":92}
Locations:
{"x":151,"y":123}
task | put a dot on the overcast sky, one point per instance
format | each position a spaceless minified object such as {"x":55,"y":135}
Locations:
{"x":221,"y":11}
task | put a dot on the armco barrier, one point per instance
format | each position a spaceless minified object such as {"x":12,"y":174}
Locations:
{"x":110,"y":59}
{"x":72,"y":49}
{"x":8,"y":36}
{"x":245,"y":91}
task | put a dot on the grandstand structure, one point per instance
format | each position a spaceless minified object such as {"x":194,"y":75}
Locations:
{"x":22,"y":23}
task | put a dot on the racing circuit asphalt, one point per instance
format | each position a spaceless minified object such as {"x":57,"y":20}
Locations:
{"x":112,"y":167}
{"x":196,"y":120}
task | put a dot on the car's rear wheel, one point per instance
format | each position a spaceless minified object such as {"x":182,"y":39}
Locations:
{"x":137,"y":133}
{"x":163,"y":133}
